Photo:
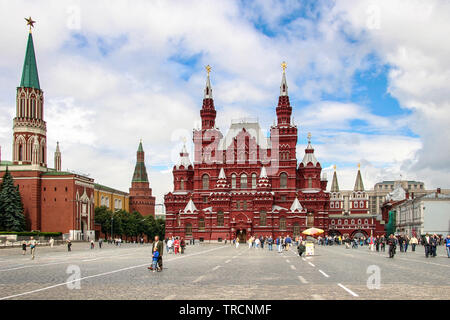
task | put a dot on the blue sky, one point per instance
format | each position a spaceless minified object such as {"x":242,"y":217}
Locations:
{"x":369,"y":83}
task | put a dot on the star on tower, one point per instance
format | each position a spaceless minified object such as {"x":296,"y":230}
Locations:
{"x":284,"y":66}
{"x":30,"y":22}
{"x":208,"y":69}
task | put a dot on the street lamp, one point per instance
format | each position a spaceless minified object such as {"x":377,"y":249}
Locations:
{"x":112,"y":221}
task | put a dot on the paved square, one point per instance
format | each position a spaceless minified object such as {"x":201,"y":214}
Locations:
{"x":219,"y":271}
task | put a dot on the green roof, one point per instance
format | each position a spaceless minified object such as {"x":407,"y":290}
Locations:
{"x":140,"y":149}
{"x":30,"y":78}
{"x":58,"y":173}
{"x":105,"y":188}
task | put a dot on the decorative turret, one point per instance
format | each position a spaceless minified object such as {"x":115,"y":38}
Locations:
{"x":57,"y":158}
{"x":309,"y":170}
{"x":140,"y":172}
{"x":221,"y":183}
{"x":183,"y":172}
{"x":263,"y":181}
{"x":359,"y":186}
{"x":30,"y":131}
{"x":284,"y":109}
{"x":208,"y":112}
{"x":334,"y":183}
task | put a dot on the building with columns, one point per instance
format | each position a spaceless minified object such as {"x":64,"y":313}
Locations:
{"x":243,"y":183}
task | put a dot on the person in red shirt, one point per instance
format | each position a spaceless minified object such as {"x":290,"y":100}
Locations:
{"x":176,"y":245}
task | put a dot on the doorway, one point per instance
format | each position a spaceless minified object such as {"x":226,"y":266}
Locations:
{"x":242,"y":235}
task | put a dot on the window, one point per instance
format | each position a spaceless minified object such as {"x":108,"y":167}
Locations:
{"x":233,"y":181}
{"x":309,"y":183}
{"x":188,"y":229}
{"x":361,"y":204}
{"x":283,"y":180}
{"x":238,"y":205}
{"x":243,"y":181}
{"x":282,"y":223}
{"x":296,"y":229}
{"x":262,"y":218}
{"x":244,"y":205}
{"x":182,"y":184}
{"x":220,"y":219}
{"x":332,"y":205}
{"x":205,"y":199}
{"x":201,"y":224}
{"x":366,"y":221}
{"x":253,"y":180}
{"x":205,"y":182}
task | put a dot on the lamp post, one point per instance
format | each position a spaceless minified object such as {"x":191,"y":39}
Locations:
{"x":112,"y":221}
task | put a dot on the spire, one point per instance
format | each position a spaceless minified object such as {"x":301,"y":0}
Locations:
{"x":30,"y":77}
{"x":359,"y":186}
{"x":334,"y":183}
{"x":309,"y":153}
{"x":263,"y":181}
{"x":263,"y":174}
{"x":221,"y":182}
{"x":57,"y":158}
{"x":208,"y":88}
{"x":283,"y":86}
{"x":184,"y":158}
{"x":222,"y":174}
{"x":296,"y":206}
{"x":208,"y":112}
{"x":284,"y":109}
{"x":190,"y":207}
{"x":140,"y":172}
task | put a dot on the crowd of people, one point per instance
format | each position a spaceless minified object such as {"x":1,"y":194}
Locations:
{"x":175,"y":245}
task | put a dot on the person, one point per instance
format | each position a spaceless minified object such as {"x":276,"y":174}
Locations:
{"x":24,"y":247}
{"x":377,"y":243}
{"x":237,"y":242}
{"x":51,"y":241}
{"x":279,"y":241}
{"x":176,"y":245}
{"x":250,"y":240}
{"x":413,"y":243}
{"x":69,"y":245}
{"x":301,"y":248}
{"x":158,"y":246}
{"x":33,"y":244}
{"x":92,"y":244}
{"x":100,"y":242}
{"x":347,"y":242}
{"x":270,"y":243}
{"x":447,"y":245}
{"x":434,"y":243}
{"x":262,"y":240}
{"x":169,"y":245}
{"x":406,"y":243}
{"x":383,"y":243}
{"x":355,"y":244}
{"x":392,"y":242}
{"x":257,"y":242}
{"x":288,"y":242}
{"x":155,"y":257}
{"x":427,"y":245}
{"x":182,"y":245}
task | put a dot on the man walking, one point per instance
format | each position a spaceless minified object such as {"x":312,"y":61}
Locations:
{"x":32,"y":247}
{"x":392,"y":242}
{"x":427,"y":245}
{"x":414,"y":243}
{"x":270,"y":243}
{"x":158,"y":246}
{"x":447,"y":245}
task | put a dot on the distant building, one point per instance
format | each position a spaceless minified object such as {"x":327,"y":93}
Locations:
{"x":160,"y":211}
{"x":111,"y":198}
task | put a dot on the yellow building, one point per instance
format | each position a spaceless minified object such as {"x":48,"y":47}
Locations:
{"x":111,"y":198}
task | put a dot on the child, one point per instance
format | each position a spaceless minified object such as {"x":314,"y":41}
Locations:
{"x":24,"y":247}
{"x":155,"y":260}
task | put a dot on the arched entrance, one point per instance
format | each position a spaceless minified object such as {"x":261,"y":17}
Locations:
{"x":359,"y":234}
{"x":333,"y":233}
{"x":241,"y":234}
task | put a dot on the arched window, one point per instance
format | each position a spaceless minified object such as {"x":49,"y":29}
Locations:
{"x":337,"y":205}
{"x":262,"y":218}
{"x":220,"y":219}
{"x":20,"y":152}
{"x":188,"y":229}
{"x":244,"y":205}
{"x":332,"y":205}
{"x":201,"y":224}
{"x":356,"y":204}
{"x":361,"y":204}
{"x":282,"y":223}
{"x":243,"y":181}
{"x":296,"y":230}
{"x":205,"y":182}
{"x":253,"y":180}
{"x":283,"y":180}
{"x":309,"y":182}
{"x":182,"y":184}
{"x":233,"y":181}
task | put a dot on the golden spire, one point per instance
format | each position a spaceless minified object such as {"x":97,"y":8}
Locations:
{"x":284,"y":66}
{"x":208,"y":69}
{"x":30,"y":22}
{"x":359,"y":166}
{"x":334,"y":167}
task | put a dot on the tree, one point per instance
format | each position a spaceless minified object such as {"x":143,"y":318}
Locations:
{"x":103,"y":217}
{"x":11,"y":207}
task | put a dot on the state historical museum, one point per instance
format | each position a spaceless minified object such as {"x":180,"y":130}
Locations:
{"x":245,"y":184}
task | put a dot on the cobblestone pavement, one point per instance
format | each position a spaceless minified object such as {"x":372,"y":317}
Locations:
{"x":218,"y":271}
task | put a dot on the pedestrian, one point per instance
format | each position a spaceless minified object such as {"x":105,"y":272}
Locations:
{"x":383,"y":243}
{"x":392,"y":242}
{"x":447,"y":245}
{"x":51,"y":241}
{"x":24,"y":247}
{"x":434,"y":243}
{"x":279,"y":241}
{"x":33,"y":244}
{"x":92,"y":244}
{"x":377,"y":243}
{"x":427,"y":245}
{"x":158,"y":246}
{"x":250,"y":240}
{"x":270,"y":243}
{"x":257,"y":243}
{"x":155,"y":257}
{"x":69,"y":245}
{"x":301,"y":249}
{"x":100,"y":242}
{"x":176,"y":245}
{"x":288,"y":242}
{"x":182,"y":245}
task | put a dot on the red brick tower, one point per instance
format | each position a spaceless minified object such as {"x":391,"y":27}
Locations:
{"x":29,"y":142}
{"x":141,"y":199}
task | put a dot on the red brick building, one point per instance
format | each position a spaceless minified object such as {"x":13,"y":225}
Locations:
{"x":245,"y":184}
{"x":54,"y":201}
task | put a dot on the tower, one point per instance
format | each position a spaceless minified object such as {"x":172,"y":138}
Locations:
{"x":336,"y":198}
{"x":208,"y":113}
{"x":183,"y":173}
{"x":29,"y":127}
{"x":359,"y":199}
{"x":141,"y":199}
{"x":309,"y":170}
{"x":57,"y":158}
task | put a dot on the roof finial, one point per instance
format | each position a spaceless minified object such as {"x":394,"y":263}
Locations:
{"x":284,"y":66}
{"x":208,"y":89}
{"x":309,"y":137}
{"x":359,"y":166}
{"x":30,"y":22}
{"x":334,"y":167}
{"x":208,"y":69}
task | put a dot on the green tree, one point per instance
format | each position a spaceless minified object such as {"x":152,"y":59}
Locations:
{"x":11,"y":207}
{"x":103,"y":217}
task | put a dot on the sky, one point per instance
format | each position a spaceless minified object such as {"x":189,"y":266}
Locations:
{"x":369,"y":80}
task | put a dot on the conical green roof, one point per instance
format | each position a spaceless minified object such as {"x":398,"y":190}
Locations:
{"x":30,"y":78}
{"x":140,"y":172}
